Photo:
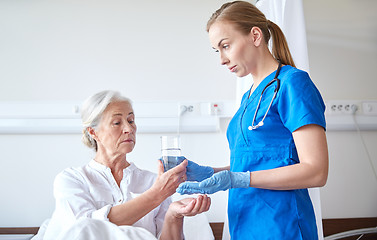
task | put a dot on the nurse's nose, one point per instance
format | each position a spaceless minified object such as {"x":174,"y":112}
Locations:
{"x":223,"y":59}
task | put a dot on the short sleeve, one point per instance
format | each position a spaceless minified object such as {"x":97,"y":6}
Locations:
{"x":300,"y":102}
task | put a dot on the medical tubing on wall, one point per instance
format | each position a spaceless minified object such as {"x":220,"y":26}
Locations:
{"x":182,"y":110}
{"x":354,"y":109}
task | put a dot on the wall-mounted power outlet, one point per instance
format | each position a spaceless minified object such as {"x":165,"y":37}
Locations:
{"x":370,"y":108}
{"x":188,"y":109}
{"x":215,"y":108}
{"x":342,"y":107}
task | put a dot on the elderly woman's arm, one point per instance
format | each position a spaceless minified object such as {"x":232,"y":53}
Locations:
{"x":135,"y":209}
{"x":173,"y":225}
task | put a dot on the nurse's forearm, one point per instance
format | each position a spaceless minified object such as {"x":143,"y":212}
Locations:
{"x":221,"y":169}
{"x":297,"y":176}
{"x":302,"y":175}
{"x":312,"y":170}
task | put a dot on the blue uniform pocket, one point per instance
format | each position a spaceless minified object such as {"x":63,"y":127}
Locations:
{"x":261,"y":158}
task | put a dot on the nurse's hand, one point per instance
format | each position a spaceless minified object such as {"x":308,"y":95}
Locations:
{"x":197,"y":172}
{"x":220,"y":181}
{"x":194,"y":171}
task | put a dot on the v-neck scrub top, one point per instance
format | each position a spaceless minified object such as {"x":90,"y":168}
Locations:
{"x":272,"y":214}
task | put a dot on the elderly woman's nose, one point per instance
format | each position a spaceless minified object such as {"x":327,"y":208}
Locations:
{"x":128,"y":128}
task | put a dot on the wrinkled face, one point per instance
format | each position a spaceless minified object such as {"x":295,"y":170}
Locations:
{"x":236,"y":49}
{"x":115,"y":134}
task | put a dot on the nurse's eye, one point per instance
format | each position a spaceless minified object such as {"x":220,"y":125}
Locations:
{"x":225,"y":46}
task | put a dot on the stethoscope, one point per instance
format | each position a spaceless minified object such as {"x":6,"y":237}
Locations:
{"x":277,"y":80}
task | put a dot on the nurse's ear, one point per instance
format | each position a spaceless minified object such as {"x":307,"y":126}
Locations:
{"x":256,"y":36}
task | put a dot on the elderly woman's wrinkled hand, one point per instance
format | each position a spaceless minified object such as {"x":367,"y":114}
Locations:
{"x":167,"y":182}
{"x":190,"y":206}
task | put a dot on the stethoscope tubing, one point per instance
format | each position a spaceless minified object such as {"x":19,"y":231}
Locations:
{"x":277,"y":80}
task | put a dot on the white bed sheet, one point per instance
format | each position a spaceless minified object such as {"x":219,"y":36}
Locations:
{"x":194,"y":228}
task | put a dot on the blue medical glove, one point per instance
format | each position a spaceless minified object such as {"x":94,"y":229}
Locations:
{"x":196,"y":172}
{"x":220,"y":181}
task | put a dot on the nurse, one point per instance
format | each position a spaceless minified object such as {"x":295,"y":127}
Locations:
{"x":273,"y":163}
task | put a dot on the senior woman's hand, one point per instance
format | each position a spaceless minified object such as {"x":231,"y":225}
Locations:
{"x":190,"y":206}
{"x":167,"y":182}
{"x":173,"y":224}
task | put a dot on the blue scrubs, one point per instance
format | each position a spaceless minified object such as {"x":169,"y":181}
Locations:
{"x":271,"y":214}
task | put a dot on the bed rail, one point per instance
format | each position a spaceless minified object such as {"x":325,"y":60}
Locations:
{"x":18,"y":230}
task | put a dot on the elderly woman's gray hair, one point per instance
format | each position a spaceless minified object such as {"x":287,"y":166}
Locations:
{"x":92,"y":110}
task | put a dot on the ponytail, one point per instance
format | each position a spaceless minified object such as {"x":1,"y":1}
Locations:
{"x":280,"y":49}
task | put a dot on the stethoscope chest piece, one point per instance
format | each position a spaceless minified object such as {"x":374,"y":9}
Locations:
{"x":260,"y":124}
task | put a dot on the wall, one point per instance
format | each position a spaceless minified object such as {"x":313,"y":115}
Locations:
{"x":342,"y":37}
{"x":58,"y":50}
{"x":67,"y":50}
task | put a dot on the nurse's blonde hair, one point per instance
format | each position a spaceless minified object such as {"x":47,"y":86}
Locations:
{"x":92,"y":110}
{"x":245,"y":16}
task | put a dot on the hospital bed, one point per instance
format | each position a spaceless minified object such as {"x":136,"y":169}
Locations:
{"x":197,"y":228}
{"x":194,"y":228}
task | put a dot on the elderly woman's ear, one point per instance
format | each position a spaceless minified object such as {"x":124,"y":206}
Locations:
{"x":92,"y":133}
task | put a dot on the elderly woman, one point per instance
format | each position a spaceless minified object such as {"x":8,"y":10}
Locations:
{"x":112,"y":189}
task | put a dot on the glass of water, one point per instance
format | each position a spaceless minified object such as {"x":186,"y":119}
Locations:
{"x":171,"y":151}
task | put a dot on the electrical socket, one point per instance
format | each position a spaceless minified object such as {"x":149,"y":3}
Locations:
{"x":188,"y":109}
{"x":215,"y":108}
{"x":370,"y":108}
{"x":212,"y":108}
{"x":342,"y":107}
